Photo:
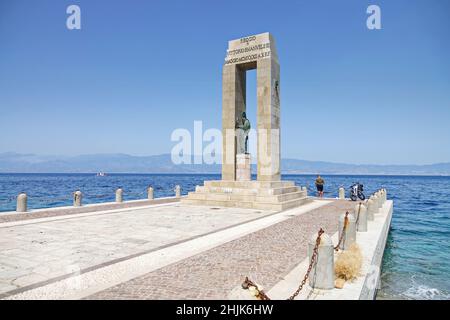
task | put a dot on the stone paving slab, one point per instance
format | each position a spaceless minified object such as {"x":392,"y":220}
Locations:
{"x":266,"y":256}
{"x":62,"y":211}
{"x":92,"y":280}
{"x":39,"y":250}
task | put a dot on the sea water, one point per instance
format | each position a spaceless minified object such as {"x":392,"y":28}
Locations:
{"x":416,"y":263}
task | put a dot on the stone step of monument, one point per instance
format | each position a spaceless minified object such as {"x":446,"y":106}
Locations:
{"x":249,"y":184}
{"x":284,"y":190}
{"x":267,"y":195}
{"x":220,"y":203}
{"x":248,"y":204}
{"x":222,"y":196}
{"x":285,"y":196}
{"x":259,"y":192}
{"x":294,"y":203}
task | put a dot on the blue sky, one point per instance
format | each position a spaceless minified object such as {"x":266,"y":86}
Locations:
{"x":137,"y":70}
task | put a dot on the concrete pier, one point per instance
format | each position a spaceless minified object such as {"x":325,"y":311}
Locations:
{"x":120,"y":249}
{"x":372,"y":244}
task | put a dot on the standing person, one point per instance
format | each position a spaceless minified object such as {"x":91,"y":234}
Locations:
{"x":319,"y":185}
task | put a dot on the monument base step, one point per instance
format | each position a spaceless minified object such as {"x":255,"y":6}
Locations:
{"x":263,"y":195}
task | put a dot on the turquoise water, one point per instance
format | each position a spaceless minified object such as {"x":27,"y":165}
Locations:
{"x":416,"y":263}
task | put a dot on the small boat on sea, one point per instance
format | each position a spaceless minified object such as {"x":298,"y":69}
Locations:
{"x":101,"y":174}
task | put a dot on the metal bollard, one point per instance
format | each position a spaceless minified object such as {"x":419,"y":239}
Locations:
{"x":361,"y":217}
{"x":77,"y":198}
{"x":177,"y":191}
{"x":349,"y":237}
{"x":150,"y":193}
{"x":341,"y":193}
{"x":22,"y":201}
{"x":119,"y":195}
{"x":322,"y":271}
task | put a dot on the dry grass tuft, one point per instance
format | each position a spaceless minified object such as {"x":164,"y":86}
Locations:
{"x":348,"y":263}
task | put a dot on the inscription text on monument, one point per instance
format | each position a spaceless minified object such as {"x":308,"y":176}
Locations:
{"x":248,"y":49}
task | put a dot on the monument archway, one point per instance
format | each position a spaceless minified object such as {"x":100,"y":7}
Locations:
{"x":254,"y":52}
{"x":236,"y":189}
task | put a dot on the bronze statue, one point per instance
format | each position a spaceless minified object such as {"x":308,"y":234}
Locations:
{"x":243,"y":128}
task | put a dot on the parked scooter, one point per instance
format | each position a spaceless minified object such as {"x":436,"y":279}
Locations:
{"x":356,"y":191}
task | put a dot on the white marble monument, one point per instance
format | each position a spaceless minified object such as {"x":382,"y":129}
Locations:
{"x":236,"y":189}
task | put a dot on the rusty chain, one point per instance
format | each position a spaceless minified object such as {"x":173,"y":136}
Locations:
{"x":343,"y":232}
{"x":263,"y":296}
{"x":311,"y":264}
{"x":260,"y":294}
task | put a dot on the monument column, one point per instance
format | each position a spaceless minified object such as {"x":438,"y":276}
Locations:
{"x":268,"y":118}
{"x":233,"y":104}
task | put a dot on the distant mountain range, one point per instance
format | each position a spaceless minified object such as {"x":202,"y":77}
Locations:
{"x":124,"y":163}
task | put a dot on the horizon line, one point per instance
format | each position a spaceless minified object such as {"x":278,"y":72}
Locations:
{"x":220,"y":155}
{"x":253,"y":174}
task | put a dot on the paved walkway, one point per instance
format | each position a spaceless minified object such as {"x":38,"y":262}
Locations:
{"x":170,"y":251}
{"x":34,"y":252}
{"x":266,"y":256}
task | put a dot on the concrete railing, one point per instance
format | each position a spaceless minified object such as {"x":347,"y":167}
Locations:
{"x":77,"y":199}
{"x":322,"y":250}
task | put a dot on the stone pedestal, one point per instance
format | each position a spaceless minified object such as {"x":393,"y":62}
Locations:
{"x":22,"y":200}
{"x":265,"y":195}
{"x":322,"y":272}
{"x":243,"y":167}
{"x":349,"y":237}
{"x":341,"y":193}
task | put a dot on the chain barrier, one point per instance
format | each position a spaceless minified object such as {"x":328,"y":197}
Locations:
{"x":311,"y":264}
{"x":336,"y":248}
{"x":260,"y":294}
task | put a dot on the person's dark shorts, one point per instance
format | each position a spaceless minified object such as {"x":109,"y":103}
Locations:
{"x":319,"y":187}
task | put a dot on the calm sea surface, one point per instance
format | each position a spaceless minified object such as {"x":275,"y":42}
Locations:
{"x":416,"y":263}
